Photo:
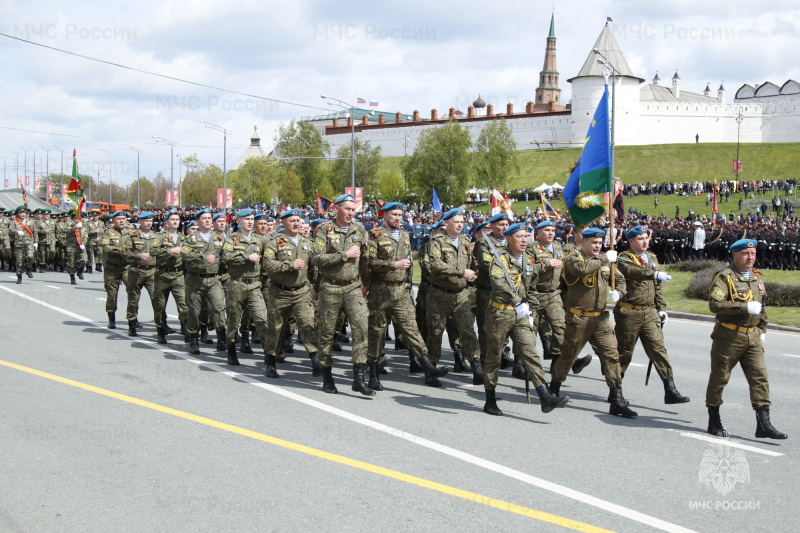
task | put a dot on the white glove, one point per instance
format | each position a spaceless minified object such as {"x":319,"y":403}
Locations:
{"x":662,"y":276}
{"x":754,"y":308}
{"x":612,"y":256}
{"x":522,"y":309}
{"x":79,"y":225}
{"x":35,"y":245}
{"x":614,"y":295}
{"x":763,"y":337}
{"x":82,"y":246}
{"x":663,"y":316}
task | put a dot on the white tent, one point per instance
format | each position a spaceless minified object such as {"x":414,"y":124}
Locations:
{"x":543,"y":187}
{"x":556,"y":186}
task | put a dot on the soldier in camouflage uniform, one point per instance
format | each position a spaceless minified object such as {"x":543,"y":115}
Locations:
{"x":201,"y":252}
{"x":61,"y":228}
{"x":136,"y":248}
{"x":550,"y":256}
{"x":588,"y":277}
{"x":291,"y":271}
{"x":513,"y":274}
{"x":94,"y":228}
{"x":389,"y":297}
{"x":641,"y":313}
{"x":76,"y":249}
{"x":339,"y":246}
{"x":242,"y":254}
{"x":24,"y":243}
{"x":736,"y":296}
{"x":5,"y":240}
{"x":166,"y":248}
{"x":116,"y":263}
{"x":452,"y":265}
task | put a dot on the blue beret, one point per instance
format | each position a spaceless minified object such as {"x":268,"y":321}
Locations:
{"x":280,"y":230}
{"x":593,"y":232}
{"x":636,"y":230}
{"x":741,"y":244}
{"x":498,"y":217}
{"x":270,"y":219}
{"x":246,"y":212}
{"x":189,"y":224}
{"x":171,"y":212}
{"x":453,"y":213}
{"x":202,"y":212}
{"x":344,"y":198}
{"x":479,"y":227}
{"x":316,"y":222}
{"x":145,"y":215}
{"x":545,"y":224}
{"x":261,"y":216}
{"x":115,"y":214}
{"x":393,"y":205}
{"x":215,"y":216}
{"x":513,"y":228}
{"x":437,"y":225}
{"x":290,"y":213}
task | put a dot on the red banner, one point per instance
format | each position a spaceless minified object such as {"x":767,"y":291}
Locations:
{"x":737,"y":166}
{"x":49,"y":189}
{"x":225,"y":198}
{"x":358,"y":194}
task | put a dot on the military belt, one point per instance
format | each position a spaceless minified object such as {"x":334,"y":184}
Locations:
{"x":247,"y":280}
{"x":285,"y":288}
{"x":500,"y":306}
{"x":140,"y":267}
{"x":168,"y":270}
{"x":339,"y":283}
{"x":631,"y":306}
{"x":390,"y":283}
{"x":203,"y":276}
{"x":734,"y":327}
{"x":449,"y":291}
{"x":580,"y":312}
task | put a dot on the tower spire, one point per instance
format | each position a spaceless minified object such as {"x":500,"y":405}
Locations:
{"x":548,"y":90}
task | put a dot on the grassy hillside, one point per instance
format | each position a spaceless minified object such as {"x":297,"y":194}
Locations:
{"x":658,"y":163}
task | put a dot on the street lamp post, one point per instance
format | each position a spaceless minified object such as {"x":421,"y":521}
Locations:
{"x":138,"y":182}
{"x":25,"y":173}
{"x":225,"y":133}
{"x":16,"y":167}
{"x":344,"y":105}
{"x":61,"y":190}
{"x":172,"y":146}
{"x":739,"y":119}
{"x":109,"y":176}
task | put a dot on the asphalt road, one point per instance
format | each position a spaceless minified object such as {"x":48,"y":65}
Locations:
{"x":102,"y":432}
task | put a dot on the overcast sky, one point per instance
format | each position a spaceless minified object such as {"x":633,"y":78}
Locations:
{"x":407,"y":55}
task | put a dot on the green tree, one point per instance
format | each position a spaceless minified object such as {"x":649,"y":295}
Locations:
{"x":200,"y":184}
{"x":145,"y":191}
{"x":391,"y":186}
{"x":291,"y":191}
{"x":441,"y":161}
{"x":301,"y":147}
{"x":326,"y":189}
{"x":367,"y":161}
{"x":495,"y":155}
{"x":255,"y":181}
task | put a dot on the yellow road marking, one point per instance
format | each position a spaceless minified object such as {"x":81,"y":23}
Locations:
{"x":432,"y":485}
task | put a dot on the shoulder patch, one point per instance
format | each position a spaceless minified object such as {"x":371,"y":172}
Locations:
{"x":717,"y":294}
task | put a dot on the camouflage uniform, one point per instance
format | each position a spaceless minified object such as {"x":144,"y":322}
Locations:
{"x":168,"y":278}
{"x":5,"y":239}
{"x":202,"y":279}
{"x":94,"y":258}
{"x":484,"y":257}
{"x":116,"y":266}
{"x":142,"y":273}
{"x":244,"y":286}
{"x":550,"y":308}
{"x":60,"y":254}
{"x":23,"y":246}
{"x":75,"y":248}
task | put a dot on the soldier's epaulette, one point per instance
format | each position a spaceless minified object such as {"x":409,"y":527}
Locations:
{"x":467,"y":246}
{"x":134,"y":235}
{"x":235,"y":241}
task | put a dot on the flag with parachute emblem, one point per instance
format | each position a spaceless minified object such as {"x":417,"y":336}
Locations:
{"x":323,"y":204}
{"x":75,"y":187}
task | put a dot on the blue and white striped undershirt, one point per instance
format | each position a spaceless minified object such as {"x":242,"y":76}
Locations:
{"x":395,"y":234}
{"x":644,"y":258}
{"x":745,"y":274}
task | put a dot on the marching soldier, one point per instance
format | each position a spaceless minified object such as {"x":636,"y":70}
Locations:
{"x":5,"y":240}
{"x":338,"y":249}
{"x":136,"y":247}
{"x":588,"y":277}
{"x":736,"y":296}
{"x":24,"y":242}
{"x":76,"y":249}
{"x":389,"y":297}
{"x":166,"y":248}
{"x":641,"y":312}
{"x":94,"y":229}
{"x":116,"y":263}
{"x":513,"y":275}
{"x":550,"y":256}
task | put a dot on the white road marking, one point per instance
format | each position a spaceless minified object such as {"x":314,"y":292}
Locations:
{"x":724,"y":441}
{"x":101,"y":299}
{"x":53,"y":287}
{"x":555,"y":488}
{"x":790,"y":355}
{"x":636,"y":364}
{"x":172,"y":316}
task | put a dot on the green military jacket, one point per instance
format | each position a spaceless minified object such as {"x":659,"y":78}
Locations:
{"x":195,"y":250}
{"x":61,"y":229}
{"x":588,"y":282}
{"x":483,"y":256}
{"x":236,"y":255}
{"x":424,"y":267}
{"x":5,"y":239}
{"x":330,"y":245}
{"x":384,"y":252}
{"x":448,"y":261}
{"x":641,"y":288}
{"x":94,"y":228}
{"x":280,"y":253}
{"x":112,"y":246}
{"x":160,"y":249}
{"x":76,"y":236}
{"x":730,"y":293}
{"x":21,"y":234}
{"x":549,"y":277}
{"x":524,"y":276}
{"x":136,"y":243}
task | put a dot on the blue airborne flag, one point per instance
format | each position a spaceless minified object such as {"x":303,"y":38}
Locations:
{"x":585,"y":190}
{"x":437,"y":205}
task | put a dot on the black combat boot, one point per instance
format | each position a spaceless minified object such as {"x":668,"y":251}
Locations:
{"x":138,"y":324}
{"x":184,"y":332}
{"x":288,"y":347}
{"x":490,"y":407}
{"x":255,"y":338}
{"x":764,"y":428}
{"x":477,"y":371}
{"x":29,"y":273}
{"x":581,"y":363}
{"x":221,"y":339}
{"x":99,"y":267}
{"x":232,"y":359}
{"x":555,"y":388}
{"x":671,"y":394}
{"x":388,"y":337}
{"x":271,"y":371}
{"x":19,"y":279}
{"x":461,"y":366}
{"x":549,"y":400}
{"x":413,"y":366}
{"x":432,"y":374}
{"x":547,"y":348}
{"x":132,"y":329}
{"x":358,"y":381}
{"x":610,"y":398}
{"x":162,"y":335}
{"x":316,"y":369}
{"x":204,"y":338}
{"x":194,"y":344}
{"x":246,"y":348}
{"x":72,"y":279}
{"x":399,"y":343}
{"x":328,"y":386}
{"x":374,"y":380}
{"x":507,"y":360}
{"x":382,"y":362}
{"x":715,"y":423}
{"x":619,"y":406}
{"x":168,"y":330}
{"x":89,"y":269}
{"x":112,"y":321}
{"x":80,"y":273}
{"x":519,"y":369}
{"x":336,"y":347}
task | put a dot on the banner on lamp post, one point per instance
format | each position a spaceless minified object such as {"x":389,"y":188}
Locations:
{"x":358,"y":194}
{"x":49,"y":189}
{"x":224,"y":198}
